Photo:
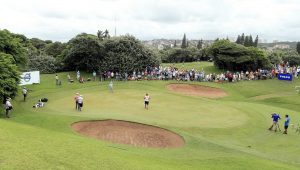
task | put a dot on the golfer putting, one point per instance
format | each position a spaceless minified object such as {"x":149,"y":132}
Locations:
{"x":146,"y":100}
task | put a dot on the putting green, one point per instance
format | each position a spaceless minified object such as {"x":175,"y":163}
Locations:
{"x":224,"y":133}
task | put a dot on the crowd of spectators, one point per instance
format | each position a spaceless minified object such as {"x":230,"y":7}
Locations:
{"x":173,"y":73}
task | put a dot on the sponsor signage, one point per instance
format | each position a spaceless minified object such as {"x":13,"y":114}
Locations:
{"x":286,"y":77}
{"x":32,"y":77}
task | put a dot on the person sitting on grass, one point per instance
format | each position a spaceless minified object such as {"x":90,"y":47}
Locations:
{"x":39,"y":104}
{"x":275,"y":118}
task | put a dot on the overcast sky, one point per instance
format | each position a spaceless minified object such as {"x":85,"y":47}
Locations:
{"x":60,"y":20}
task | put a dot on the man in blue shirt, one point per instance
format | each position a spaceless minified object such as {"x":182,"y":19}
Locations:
{"x":286,"y":124}
{"x":275,"y":118}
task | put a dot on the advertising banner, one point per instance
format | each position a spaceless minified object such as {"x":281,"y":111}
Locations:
{"x":286,"y":77}
{"x":32,"y":77}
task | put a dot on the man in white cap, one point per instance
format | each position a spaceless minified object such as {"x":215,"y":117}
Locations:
{"x":8,"y":107}
{"x":80,"y":102}
{"x":24,"y":91}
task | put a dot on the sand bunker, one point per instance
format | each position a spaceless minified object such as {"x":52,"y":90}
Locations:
{"x":130,"y":133}
{"x":197,"y":90}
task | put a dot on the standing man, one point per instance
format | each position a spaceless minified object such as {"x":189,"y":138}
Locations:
{"x":57,"y":80}
{"x":76,"y":101}
{"x":275,"y":118}
{"x":8,"y":107}
{"x":110,"y":86}
{"x":286,"y":124}
{"x":94,"y":75}
{"x":146,"y":99}
{"x":24,"y":91}
{"x":80,"y":102}
{"x":78,"y":75}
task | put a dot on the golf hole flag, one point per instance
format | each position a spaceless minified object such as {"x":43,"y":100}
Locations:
{"x":286,"y":77}
{"x":32,"y":77}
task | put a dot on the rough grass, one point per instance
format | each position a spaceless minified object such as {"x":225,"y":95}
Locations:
{"x":228,"y":133}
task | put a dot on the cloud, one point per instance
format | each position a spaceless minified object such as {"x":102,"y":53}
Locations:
{"x":148,"y":19}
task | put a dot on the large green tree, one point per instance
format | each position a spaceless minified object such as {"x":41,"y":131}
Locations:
{"x":10,"y":44}
{"x":232,"y":56}
{"x":126,"y":54}
{"x":54,"y":49}
{"x":9,"y":76}
{"x":84,"y":52}
{"x":184,"y":43}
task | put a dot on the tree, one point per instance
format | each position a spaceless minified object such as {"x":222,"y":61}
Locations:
{"x":256,"y":41}
{"x":38,"y":43}
{"x":235,"y":57}
{"x":43,"y":63}
{"x":251,"y":41}
{"x":127,"y":54}
{"x":200,"y":44}
{"x":9,"y":44}
{"x":103,"y":35}
{"x":175,"y":44}
{"x":247,"y":42}
{"x":238,"y":40}
{"x":84,"y":52}
{"x":184,"y":42}
{"x":298,"y":47}
{"x":243,"y":39}
{"x":55,"y":49}
{"x":9,"y":76}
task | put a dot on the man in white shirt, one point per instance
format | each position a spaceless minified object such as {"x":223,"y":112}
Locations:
{"x":80,"y":102}
{"x":8,"y":107}
{"x":110,"y":86}
{"x":146,"y":99}
{"x":24,"y":91}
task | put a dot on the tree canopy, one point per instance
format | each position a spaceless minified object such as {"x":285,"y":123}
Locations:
{"x":9,"y":76}
{"x":235,"y":57}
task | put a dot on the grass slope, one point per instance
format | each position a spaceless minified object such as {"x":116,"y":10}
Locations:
{"x":227,"y":133}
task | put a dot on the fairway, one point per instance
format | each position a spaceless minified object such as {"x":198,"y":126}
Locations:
{"x":229,"y":132}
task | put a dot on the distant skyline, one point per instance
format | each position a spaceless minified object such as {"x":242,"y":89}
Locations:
{"x":61,"y":20}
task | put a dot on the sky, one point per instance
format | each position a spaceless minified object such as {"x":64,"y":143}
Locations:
{"x":61,"y":20}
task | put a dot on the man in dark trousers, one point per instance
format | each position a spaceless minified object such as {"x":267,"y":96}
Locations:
{"x":8,"y":107}
{"x":24,"y":91}
{"x":286,"y":124}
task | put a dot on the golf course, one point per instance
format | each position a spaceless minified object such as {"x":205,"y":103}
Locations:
{"x":223,"y":132}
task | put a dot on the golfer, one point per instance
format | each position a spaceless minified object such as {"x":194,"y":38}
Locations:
{"x":76,"y":101}
{"x":110,"y":86}
{"x":80,"y":102}
{"x":275,"y":118}
{"x":146,"y":99}
{"x":286,"y":124}
{"x":8,"y":107}
{"x":57,"y":79}
{"x":24,"y":91}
